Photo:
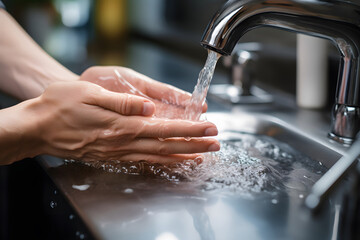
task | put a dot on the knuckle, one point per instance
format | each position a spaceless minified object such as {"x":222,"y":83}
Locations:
{"x":163,"y":149}
{"x":89,"y":88}
{"x":80,"y":154}
{"x":90,"y":71}
{"x":76,"y":147}
{"x":126,"y":69}
{"x":164,"y":130}
{"x":126,"y":104}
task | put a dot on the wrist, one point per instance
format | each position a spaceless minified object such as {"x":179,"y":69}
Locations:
{"x":60,"y":74}
{"x":19,"y":137}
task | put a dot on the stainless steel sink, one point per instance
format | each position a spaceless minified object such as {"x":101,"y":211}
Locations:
{"x":116,"y":206}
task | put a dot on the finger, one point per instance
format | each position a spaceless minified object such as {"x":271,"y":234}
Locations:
{"x":174,"y":146}
{"x":168,"y":94}
{"x":155,"y":89}
{"x":167,"y":128}
{"x":147,"y":86}
{"x":205,"y":107}
{"x":122,"y":103}
{"x":164,"y":159}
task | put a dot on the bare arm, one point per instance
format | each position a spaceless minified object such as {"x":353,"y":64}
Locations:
{"x":80,"y":120}
{"x":26,"y":69}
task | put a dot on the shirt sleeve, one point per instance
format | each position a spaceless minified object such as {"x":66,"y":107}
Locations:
{"x":2,"y":5}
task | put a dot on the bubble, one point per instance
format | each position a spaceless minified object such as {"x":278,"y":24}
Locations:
{"x":128,"y":190}
{"x":83,"y":187}
{"x":53,"y":204}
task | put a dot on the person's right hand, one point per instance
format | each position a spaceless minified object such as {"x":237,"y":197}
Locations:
{"x":81,"y":120}
{"x":170,"y":101}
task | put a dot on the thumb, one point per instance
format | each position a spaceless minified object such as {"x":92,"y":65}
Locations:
{"x":124,"y":104}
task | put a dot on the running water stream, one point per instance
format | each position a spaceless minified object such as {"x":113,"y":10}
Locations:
{"x":194,"y":108}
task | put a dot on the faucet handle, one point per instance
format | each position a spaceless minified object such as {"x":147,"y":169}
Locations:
{"x":242,"y":68}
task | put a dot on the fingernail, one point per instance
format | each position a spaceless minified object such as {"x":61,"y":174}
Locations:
{"x":214,"y":147}
{"x":148,"y":109}
{"x":211,"y":131}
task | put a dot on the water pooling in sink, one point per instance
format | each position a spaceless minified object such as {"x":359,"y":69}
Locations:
{"x":247,"y":164}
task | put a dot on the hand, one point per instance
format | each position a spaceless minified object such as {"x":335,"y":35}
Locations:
{"x":170,"y":101}
{"x":81,"y":120}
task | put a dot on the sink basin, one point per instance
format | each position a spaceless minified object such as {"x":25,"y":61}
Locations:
{"x":117,"y":206}
{"x":262,"y":124}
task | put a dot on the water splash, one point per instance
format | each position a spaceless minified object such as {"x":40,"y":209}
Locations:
{"x":246,"y":164}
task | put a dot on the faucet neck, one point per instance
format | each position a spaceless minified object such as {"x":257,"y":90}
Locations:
{"x":337,"y":21}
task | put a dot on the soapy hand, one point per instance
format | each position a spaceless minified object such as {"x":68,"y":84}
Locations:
{"x":81,"y":120}
{"x":170,"y":101}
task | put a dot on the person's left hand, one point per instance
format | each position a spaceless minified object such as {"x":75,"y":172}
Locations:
{"x":170,"y":101}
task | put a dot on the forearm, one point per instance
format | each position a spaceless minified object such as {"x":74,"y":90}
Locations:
{"x":26,"y":70}
{"x":18,"y":136}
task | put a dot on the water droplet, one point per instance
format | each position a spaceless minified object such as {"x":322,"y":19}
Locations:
{"x":71,"y":216}
{"x":53,"y":204}
{"x":128,"y":190}
{"x":301,"y":195}
{"x":83,"y":187}
{"x":274,"y":201}
{"x":107,"y":132}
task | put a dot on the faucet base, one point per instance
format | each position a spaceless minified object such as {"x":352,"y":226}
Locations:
{"x":345,"y":123}
{"x":235,"y":95}
{"x":343,"y":140}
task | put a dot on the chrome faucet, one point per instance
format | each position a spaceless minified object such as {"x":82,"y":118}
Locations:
{"x":335,"y":20}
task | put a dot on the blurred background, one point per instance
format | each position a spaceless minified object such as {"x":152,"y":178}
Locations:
{"x":82,"y":33}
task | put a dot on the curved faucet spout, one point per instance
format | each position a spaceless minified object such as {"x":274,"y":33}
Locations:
{"x":335,"y":20}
